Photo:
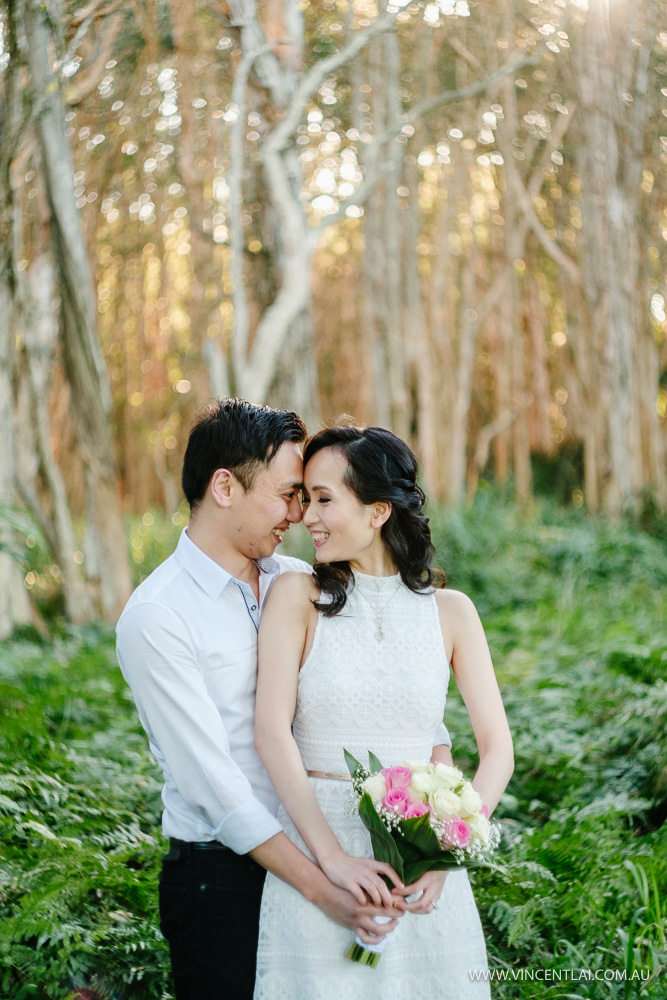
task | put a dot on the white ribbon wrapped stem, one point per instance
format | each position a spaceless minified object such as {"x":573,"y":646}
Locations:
{"x":378,"y":948}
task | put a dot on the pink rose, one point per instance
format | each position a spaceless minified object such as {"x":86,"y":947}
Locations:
{"x":416,"y":809}
{"x":397,"y":799}
{"x":485,"y":811}
{"x":397,"y":777}
{"x":457,"y":832}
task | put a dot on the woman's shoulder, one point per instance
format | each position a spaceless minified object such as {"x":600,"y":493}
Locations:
{"x":455,"y":604}
{"x":295,"y":585}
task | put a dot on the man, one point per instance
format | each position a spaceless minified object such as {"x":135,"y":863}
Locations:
{"x":187,"y":646}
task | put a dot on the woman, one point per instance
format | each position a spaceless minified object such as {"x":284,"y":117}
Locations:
{"x":357,"y":657}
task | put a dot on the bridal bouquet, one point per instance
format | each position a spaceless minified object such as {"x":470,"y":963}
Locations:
{"x":421,"y":817}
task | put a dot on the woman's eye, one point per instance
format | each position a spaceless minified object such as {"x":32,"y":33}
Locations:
{"x":325,"y":500}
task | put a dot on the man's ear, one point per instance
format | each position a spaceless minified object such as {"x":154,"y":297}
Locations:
{"x":223,"y":484}
{"x":380,"y":514}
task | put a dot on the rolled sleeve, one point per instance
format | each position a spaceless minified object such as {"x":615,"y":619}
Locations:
{"x":247,"y":827}
{"x":159,"y":662}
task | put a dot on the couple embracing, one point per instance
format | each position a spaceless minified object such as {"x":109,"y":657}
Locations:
{"x":252,"y":671}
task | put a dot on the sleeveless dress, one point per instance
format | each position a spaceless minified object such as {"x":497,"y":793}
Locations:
{"x":362,"y":691}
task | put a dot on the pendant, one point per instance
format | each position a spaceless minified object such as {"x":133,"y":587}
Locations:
{"x":380,"y":629}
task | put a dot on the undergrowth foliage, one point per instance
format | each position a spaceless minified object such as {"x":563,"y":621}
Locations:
{"x":574,"y":612}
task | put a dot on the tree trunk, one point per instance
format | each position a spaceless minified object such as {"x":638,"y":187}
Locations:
{"x":374,"y":262}
{"x":465,"y":363}
{"x":513,"y":333}
{"x":14,"y":603}
{"x":610,"y":164}
{"x":397,"y":387}
{"x":536,"y":323}
{"x":40,"y":334}
{"x":84,"y":361}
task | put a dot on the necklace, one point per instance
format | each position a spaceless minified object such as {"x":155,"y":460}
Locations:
{"x":379,"y":624}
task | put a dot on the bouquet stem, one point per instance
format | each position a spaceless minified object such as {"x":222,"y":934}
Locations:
{"x":368,"y":954}
{"x":363,"y":955}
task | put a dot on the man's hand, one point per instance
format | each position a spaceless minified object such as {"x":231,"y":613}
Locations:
{"x":361,"y":876}
{"x":280,"y":856}
{"x":341,"y":907}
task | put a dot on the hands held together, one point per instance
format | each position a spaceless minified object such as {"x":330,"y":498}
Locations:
{"x":363,"y":879}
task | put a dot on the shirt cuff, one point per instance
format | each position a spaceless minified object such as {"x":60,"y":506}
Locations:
{"x":248,"y":826}
{"x":442,"y":736}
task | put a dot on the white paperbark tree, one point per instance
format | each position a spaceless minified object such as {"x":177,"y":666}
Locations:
{"x":105,"y":547}
{"x":14,"y":603}
{"x":255,"y":360}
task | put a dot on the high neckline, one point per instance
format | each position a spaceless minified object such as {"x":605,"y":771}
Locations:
{"x":376,"y":584}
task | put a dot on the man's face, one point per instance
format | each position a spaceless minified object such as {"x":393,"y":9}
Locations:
{"x":271,"y":504}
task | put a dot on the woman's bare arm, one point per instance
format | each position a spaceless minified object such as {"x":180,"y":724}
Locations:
{"x":281,"y":643}
{"x":476,"y":680}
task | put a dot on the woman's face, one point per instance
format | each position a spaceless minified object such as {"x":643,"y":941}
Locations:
{"x":339,"y":524}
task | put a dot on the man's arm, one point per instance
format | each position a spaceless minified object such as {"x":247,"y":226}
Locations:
{"x":284,"y":859}
{"x":160,"y":664}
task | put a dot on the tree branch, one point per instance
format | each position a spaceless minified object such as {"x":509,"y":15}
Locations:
{"x":373,"y":172}
{"x":548,"y":244}
{"x":318,"y":73}
{"x":462,"y":93}
{"x":253,"y":38}
{"x":87,"y":85}
{"x":92,"y":13}
{"x":536,"y":179}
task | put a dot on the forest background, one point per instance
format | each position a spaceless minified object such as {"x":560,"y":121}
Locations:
{"x":449,"y":218}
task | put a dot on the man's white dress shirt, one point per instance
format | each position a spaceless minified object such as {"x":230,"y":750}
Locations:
{"x":187,"y":647}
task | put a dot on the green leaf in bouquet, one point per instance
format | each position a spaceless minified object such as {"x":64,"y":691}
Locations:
{"x":353,"y":764}
{"x":419,"y":833}
{"x":416,"y":869}
{"x":384,"y":845}
{"x":374,"y":763}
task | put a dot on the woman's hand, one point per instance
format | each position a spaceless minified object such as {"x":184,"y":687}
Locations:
{"x":361,"y":877}
{"x":430,"y":885}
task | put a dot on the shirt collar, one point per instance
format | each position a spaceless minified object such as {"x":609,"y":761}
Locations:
{"x":268,"y":565}
{"x":210,"y":576}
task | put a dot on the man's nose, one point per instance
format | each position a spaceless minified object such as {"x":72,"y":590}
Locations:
{"x":294,"y":511}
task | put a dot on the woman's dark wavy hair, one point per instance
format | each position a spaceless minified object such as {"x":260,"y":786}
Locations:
{"x":380,"y":467}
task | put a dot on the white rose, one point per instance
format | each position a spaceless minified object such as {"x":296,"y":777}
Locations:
{"x":481,"y":828}
{"x":471,"y":801}
{"x":375,"y":786}
{"x":449,"y":776}
{"x":423,"y":782}
{"x":445,"y":803}
{"x":419,"y":767}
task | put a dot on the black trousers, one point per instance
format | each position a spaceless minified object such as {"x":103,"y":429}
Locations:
{"x":209,"y":914}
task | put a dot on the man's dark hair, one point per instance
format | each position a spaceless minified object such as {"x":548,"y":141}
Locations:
{"x":236,"y":435}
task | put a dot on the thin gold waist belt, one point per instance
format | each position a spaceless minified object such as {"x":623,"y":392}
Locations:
{"x":329,"y":774}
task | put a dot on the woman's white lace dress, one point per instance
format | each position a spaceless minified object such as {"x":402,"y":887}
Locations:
{"x":362,"y":691}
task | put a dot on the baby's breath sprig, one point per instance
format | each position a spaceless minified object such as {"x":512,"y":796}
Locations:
{"x":389,"y":817}
{"x":358,"y":779}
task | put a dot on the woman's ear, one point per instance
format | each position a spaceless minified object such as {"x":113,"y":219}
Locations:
{"x":380,"y":513}
{"x":223,"y":483}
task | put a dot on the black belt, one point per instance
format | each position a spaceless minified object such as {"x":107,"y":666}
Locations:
{"x":201,"y":845}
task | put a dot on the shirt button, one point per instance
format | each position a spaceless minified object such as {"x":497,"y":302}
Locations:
{"x":253,"y":607}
